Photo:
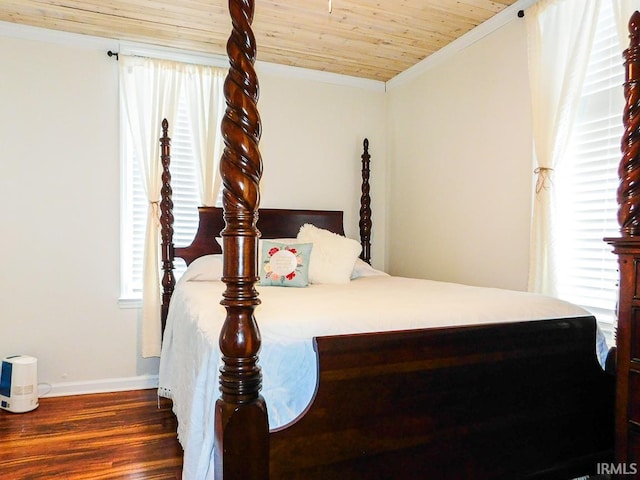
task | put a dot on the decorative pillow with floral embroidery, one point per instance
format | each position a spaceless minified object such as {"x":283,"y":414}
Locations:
{"x":285,"y":265}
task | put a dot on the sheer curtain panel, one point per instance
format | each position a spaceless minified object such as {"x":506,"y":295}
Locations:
{"x":149,"y":90}
{"x":560,"y":34}
{"x":206,"y":107}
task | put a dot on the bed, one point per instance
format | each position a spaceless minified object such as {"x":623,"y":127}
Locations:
{"x":439,"y":387}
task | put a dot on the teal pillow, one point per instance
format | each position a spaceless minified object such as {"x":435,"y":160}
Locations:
{"x":285,"y":265}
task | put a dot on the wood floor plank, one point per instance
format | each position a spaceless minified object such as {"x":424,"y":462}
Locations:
{"x":123,"y":435}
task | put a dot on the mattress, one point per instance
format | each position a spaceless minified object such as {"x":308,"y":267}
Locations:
{"x":289,"y":318}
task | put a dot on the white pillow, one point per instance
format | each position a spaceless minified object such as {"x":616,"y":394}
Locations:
{"x":333,"y":256}
{"x":363,"y":269}
{"x":204,"y":269}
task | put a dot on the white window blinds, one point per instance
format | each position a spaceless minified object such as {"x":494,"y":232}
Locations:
{"x":586,"y":181}
{"x":185,"y":198}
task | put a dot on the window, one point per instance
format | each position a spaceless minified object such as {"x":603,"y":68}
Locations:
{"x":134,"y":209}
{"x":586,"y":181}
{"x":190,"y":94}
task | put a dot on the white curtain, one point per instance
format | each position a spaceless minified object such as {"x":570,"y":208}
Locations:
{"x":560,"y":34}
{"x":149,"y":90}
{"x":623,"y":9}
{"x":206,"y":106}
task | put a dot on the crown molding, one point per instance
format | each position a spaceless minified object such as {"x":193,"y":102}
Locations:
{"x":58,"y":37}
{"x":320,"y":76}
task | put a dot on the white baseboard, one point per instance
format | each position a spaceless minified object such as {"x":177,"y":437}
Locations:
{"x":97,"y":386}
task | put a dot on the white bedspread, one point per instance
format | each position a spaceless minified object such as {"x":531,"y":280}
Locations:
{"x":289,"y":318}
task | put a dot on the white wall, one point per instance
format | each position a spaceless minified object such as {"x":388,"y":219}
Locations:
{"x":59,"y":192}
{"x":460,"y":166}
{"x":59,"y":196}
{"x":312,"y":145}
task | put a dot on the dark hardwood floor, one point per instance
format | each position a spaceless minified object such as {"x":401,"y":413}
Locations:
{"x":121,"y":435}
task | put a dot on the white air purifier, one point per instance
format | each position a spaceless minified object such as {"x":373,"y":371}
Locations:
{"x":19,"y":384}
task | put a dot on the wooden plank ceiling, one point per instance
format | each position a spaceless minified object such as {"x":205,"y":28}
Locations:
{"x":373,"y":39}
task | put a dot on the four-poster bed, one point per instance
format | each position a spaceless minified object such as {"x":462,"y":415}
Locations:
{"x":513,"y":396}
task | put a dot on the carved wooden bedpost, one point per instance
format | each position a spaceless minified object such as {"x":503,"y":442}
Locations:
{"x":365,"y":206}
{"x":166,"y":224}
{"x":627,"y":247}
{"x":242,"y":430}
{"x":629,"y":170}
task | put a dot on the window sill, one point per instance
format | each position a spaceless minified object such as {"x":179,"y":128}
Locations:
{"x":130,"y":302}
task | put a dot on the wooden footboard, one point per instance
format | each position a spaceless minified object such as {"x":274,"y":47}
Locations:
{"x":521,"y":400}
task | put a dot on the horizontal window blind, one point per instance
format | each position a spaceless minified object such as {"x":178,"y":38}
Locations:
{"x":585,"y":184}
{"x":185,"y":199}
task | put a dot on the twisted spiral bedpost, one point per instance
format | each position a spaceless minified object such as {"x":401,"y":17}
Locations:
{"x":365,"y":205}
{"x":627,"y":246}
{"x":629,"y":169}
{"x":242,"y":432}
{"x":166,"y":223}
